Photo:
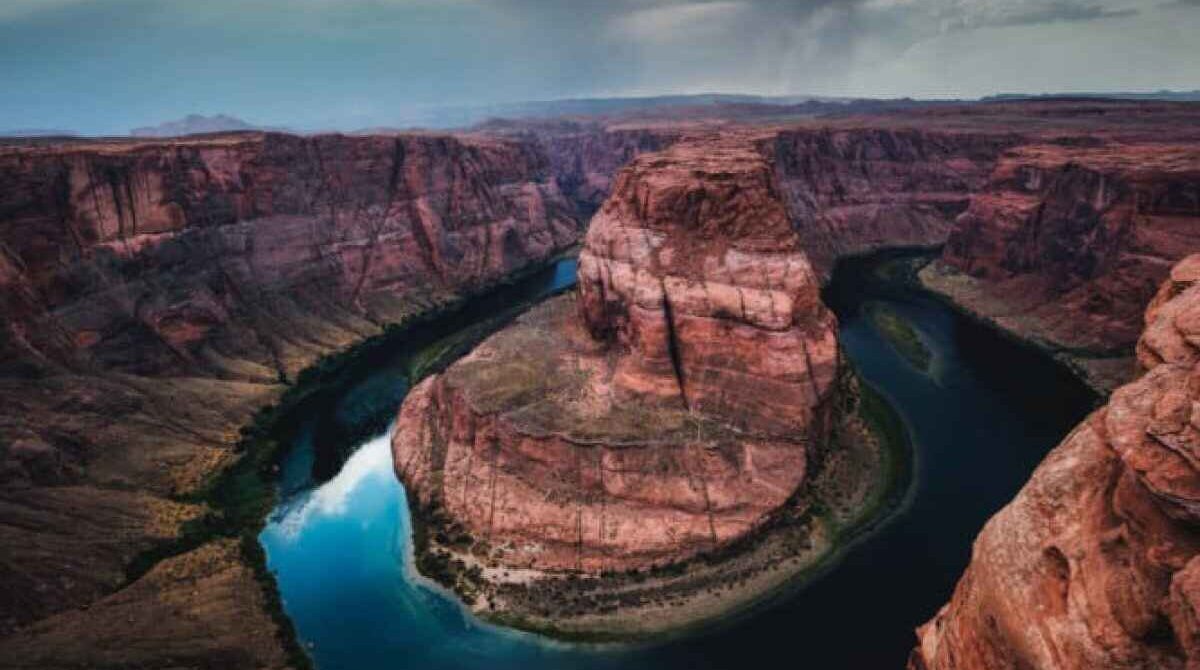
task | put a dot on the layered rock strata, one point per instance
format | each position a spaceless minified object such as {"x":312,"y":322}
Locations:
{"x":1065,"y":244}
{"x":1095,"y":563}
{"x":155,"y":293}
{"x":669,"y":410}
{"x":854,"y":190}
{"x":191,"y":257}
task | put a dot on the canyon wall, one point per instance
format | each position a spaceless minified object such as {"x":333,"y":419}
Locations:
{"x":854,"y":190}
{"x":1071,"y":234}
{"x":1094,"y":564}
{"x":586,"y":156}
{"x":231,"y":256}
{"x":154,"y":295}
{"x":674,"y":417}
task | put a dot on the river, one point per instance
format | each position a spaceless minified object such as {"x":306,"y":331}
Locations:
{"x":980,"y":420}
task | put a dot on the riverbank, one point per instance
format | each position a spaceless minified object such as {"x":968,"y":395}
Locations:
{"x":855,"y":482}
{"x":1101,"y":371}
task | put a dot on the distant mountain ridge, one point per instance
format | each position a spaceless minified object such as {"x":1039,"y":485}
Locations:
{"x":195,"y":124}
{"x":1165,"y":95}
{"x":38,"y":132}
{"x":701,"y":105}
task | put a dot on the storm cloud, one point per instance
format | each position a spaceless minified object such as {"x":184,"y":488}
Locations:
{"x":108,"y":65}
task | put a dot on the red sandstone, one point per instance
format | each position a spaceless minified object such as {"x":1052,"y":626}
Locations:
{"x":703,"y":366}
{"x":1094,"y":564}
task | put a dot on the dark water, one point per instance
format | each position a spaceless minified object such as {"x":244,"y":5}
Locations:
{"x":981,"y":421}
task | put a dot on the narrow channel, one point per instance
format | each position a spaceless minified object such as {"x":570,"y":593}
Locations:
{"x":981,"y":416}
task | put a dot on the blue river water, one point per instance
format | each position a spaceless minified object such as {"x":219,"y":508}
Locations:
{"x":980,"y":421}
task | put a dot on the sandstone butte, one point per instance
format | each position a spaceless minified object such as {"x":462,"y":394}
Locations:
{"x":154,"y":293}
{"x":1096,"y":563}
{"x":672,"y":411}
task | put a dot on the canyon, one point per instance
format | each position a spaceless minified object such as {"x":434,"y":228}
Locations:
{"x":157,"y":292}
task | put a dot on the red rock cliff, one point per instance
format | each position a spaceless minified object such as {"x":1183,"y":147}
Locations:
{"x":1079,"y":238}
{"x":219,"y":255}
{"x":154,"y":293}
{"x":1095,"y":563}
{"x":856,"y":189}
{"x":694,"y":268}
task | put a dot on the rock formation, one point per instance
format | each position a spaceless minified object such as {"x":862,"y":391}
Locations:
{"x":209,"y":256}
{"x":699,"y":306}
{"x":673,"y":411}
{"x":853,"y":190}
{"x":1072,"y":233}
{"x":693,"y":268}
{"x":1095,"y":563}
{"x":585,"y":157}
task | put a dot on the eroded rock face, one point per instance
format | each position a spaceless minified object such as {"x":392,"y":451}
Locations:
{"x":1066,"y":244}
{"x":854,"y":190}
{"x":154,"y":294}
{"x":694,"y":269}
{"x":1094,"y":564}
{"x":170,"y":258}
{"x":672,"y":414}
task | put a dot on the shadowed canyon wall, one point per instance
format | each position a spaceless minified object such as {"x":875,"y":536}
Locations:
{"x":195,"y":257}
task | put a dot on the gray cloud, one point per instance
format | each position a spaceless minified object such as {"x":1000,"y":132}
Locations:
{"x":1022,"y":14}
{"x":107,"y":65}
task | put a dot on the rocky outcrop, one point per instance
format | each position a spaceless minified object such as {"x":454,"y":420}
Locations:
{"x":1094,"y":564}
{"x":701,"y":308}
{"x":693,"y":268}
{"x":671,"y":409}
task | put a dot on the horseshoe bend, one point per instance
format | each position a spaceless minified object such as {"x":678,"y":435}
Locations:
{"x":687,"y":433}
{"x":674,"y":408}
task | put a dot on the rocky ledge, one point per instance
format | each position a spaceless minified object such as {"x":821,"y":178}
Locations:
{"x":650,"y":451}
{"x":1095,"y":563}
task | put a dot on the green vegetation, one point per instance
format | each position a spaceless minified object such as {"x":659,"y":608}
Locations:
{"x":429,"y":523}
{"x":237,"y":502}
{"x":895,"y":455}
{"x":901,"y":335}
{"x":903,"y":269}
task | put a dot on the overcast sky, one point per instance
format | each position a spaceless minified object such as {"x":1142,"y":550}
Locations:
{"x":104,"y":66}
